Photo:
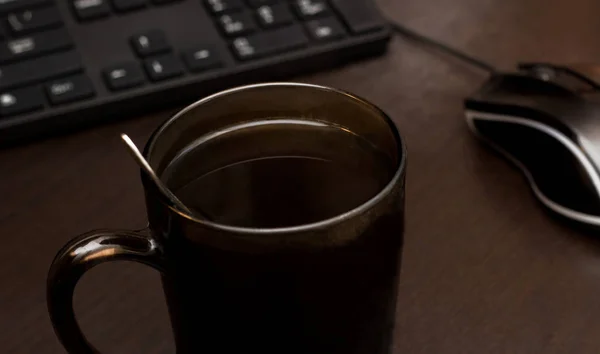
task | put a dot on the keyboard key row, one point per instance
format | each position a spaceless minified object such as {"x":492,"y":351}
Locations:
{"x":305,"y":9}
{"x":165,"y":66}
{"x":271,"y":42}
{"x":153,"y":42}
{"x":268,"y":16}
{"x":58,"y":92}
{"x":359,"y":16}
{"x":92,"y":9}
{"x":158,"y":68}
{"x":75,"y":88}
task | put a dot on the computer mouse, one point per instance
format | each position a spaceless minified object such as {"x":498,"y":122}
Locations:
{"x":546,"y":120}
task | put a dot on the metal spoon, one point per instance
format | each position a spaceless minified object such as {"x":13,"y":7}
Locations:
{"x":141,"y":161}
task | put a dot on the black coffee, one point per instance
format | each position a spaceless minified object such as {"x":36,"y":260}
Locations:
{"x":308,"y":300}
{"x":288,"y":190}
{"x":280,"y":191}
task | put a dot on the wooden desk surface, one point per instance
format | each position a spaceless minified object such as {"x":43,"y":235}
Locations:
{"x":485,"y":269}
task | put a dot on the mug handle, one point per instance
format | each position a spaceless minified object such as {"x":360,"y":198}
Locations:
{"x":78,"y":256}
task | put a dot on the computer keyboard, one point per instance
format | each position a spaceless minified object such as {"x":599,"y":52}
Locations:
{"x":70,"y":63}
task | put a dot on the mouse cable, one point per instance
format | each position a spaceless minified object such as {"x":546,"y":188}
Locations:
{"x":441,"y":46}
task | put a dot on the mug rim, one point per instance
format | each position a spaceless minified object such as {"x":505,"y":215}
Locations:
{"x":318,"y":225}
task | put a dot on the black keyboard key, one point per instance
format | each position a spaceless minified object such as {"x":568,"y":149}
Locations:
{"x":90,"y":9}
{"x":124,"y":76}
{"x":223,"y":6}
{"x":21,"y":101}
{"x":150,"y":42}
{"x":27,"y":21}
{"x":163,"y":67}
{"x":258,"y":3}
{"x":39,"y":69}
{"x":325,"y":29}
{"x":128,"y":5}
{"x":12,"y":5}
{"x":361,"y":16}
{"x":69,"y":89}
{"x":237,"y":24}
{"x":269,"y":42}
{"x":277,"y":15}
{"x":160,"y":2}
{"x":311,"y":8}
{"x":201,"y":58}
{"x":35,"y":45}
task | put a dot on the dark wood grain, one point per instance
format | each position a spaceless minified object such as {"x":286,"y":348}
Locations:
{"x":485,"y":269}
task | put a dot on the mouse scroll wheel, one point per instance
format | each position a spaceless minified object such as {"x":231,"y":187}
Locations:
{"x":559,"y":75}
{"x":541,"y":71}
{"x":544,"y":73}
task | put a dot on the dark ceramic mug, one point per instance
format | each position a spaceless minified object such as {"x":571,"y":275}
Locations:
{"x":300,"y":252}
